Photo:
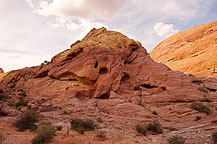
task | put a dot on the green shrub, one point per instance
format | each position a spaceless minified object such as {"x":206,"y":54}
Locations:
{"x":82,"y":124}
{"x":20,"y":103}
{"x":197,"y":118}
{"x":214,"y":137}
{"x":136,"y":88}
{"x":2,"y":138}
{"x":80,"y":130}
{"x":101,"y":134}
{"x":141,"y":128}
{"x":59,"y":127}
{"x":99,"y":119}
{"x":203,"y":89}
{"x":176,"y":140}
{"x":27,"y":120}
{"x":45,"y":132}
{"x":200,"y":107}
{"x":154,"y":127}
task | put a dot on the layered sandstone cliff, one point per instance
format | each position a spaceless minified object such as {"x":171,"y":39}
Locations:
{"x":192,"y":51}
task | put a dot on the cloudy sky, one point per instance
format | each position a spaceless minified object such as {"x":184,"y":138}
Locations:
{"x":35,"y":30}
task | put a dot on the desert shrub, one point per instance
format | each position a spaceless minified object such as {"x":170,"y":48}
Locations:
{"x":82,"y":125}
{"x":197,"y":118}
{"x":200,"y":107}
{"x":176,"y":140}
{"x":214,"y":137}
{"x":197,"y":81}
{"x":3,"y":96}
{"x":22,"y":93}
{"x":101,"y":134}
{"x":20,"y":103}
{"x":80,"y":130}
{"x":141,"y":128}
{"x":154,"y":112}
{"x":59,"y":127}
{"x":45,"y":132}
{"x":136,"y":88}
{"x":190,"y":75}
{"x":2,"y":138}
{"x":203,"y":89}
{"x":154,"y":127}
{"x":27,"y":120}
{"x":99,"y":119}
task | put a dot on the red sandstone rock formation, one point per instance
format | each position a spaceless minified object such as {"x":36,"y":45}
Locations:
{"x":192,"y":51}
{"x":111,"y":76}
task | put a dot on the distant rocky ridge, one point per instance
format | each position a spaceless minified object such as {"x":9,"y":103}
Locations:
{"x":110,"y":76}
{"x":192,"y":51}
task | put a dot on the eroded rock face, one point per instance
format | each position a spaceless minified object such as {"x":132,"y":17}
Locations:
{"x":105,"y":64}
{"x":111,"y":76}
{"x":193,"y":51}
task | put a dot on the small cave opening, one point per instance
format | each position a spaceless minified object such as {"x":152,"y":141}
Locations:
{"x":103,"y":70}
{"x":104,"y":96}
{"x":96,"y":65}
{"x":163,"y":88}
{"x":212,"y":90}
{"x":148,"y":86}
{"x":42,"y":74}
{"x":74,"y":54}
{"x":72,"y":79}
{"x":125,"y":77}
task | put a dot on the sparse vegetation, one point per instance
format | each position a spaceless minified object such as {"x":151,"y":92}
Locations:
{"x":45,"y":132}
{"x":80,"y":130}
{"x":23,"y":93}
{"x":203,"y":89}
{"x":197,"y":81}
{"x":2,"y":138}
{"x":154,"y":113}
{"x":99,"y":119}
{"x":136,"y":88}
{"x":214,"y":137}
{"x":3,"y":96}
{"x":190,"y":75}
{"x":141,"y":128}
{"x":140,"y":103}
{"x":20,"y":103}
{"x":176,"y":140}
{"x":197,"y":118}
{"x":59,"y":127}
{"x":82,"y":125}
{"x":65,"y":112}
{"x":200,"y":107}
{"x":153,"y":127}
{"x":27,"y":120}
{"x":101,"y":134}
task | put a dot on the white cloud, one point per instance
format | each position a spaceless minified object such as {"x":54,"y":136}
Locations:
{"x":165,"y":30}
{"x":79,"y":8}
{"x":30,"y":3}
